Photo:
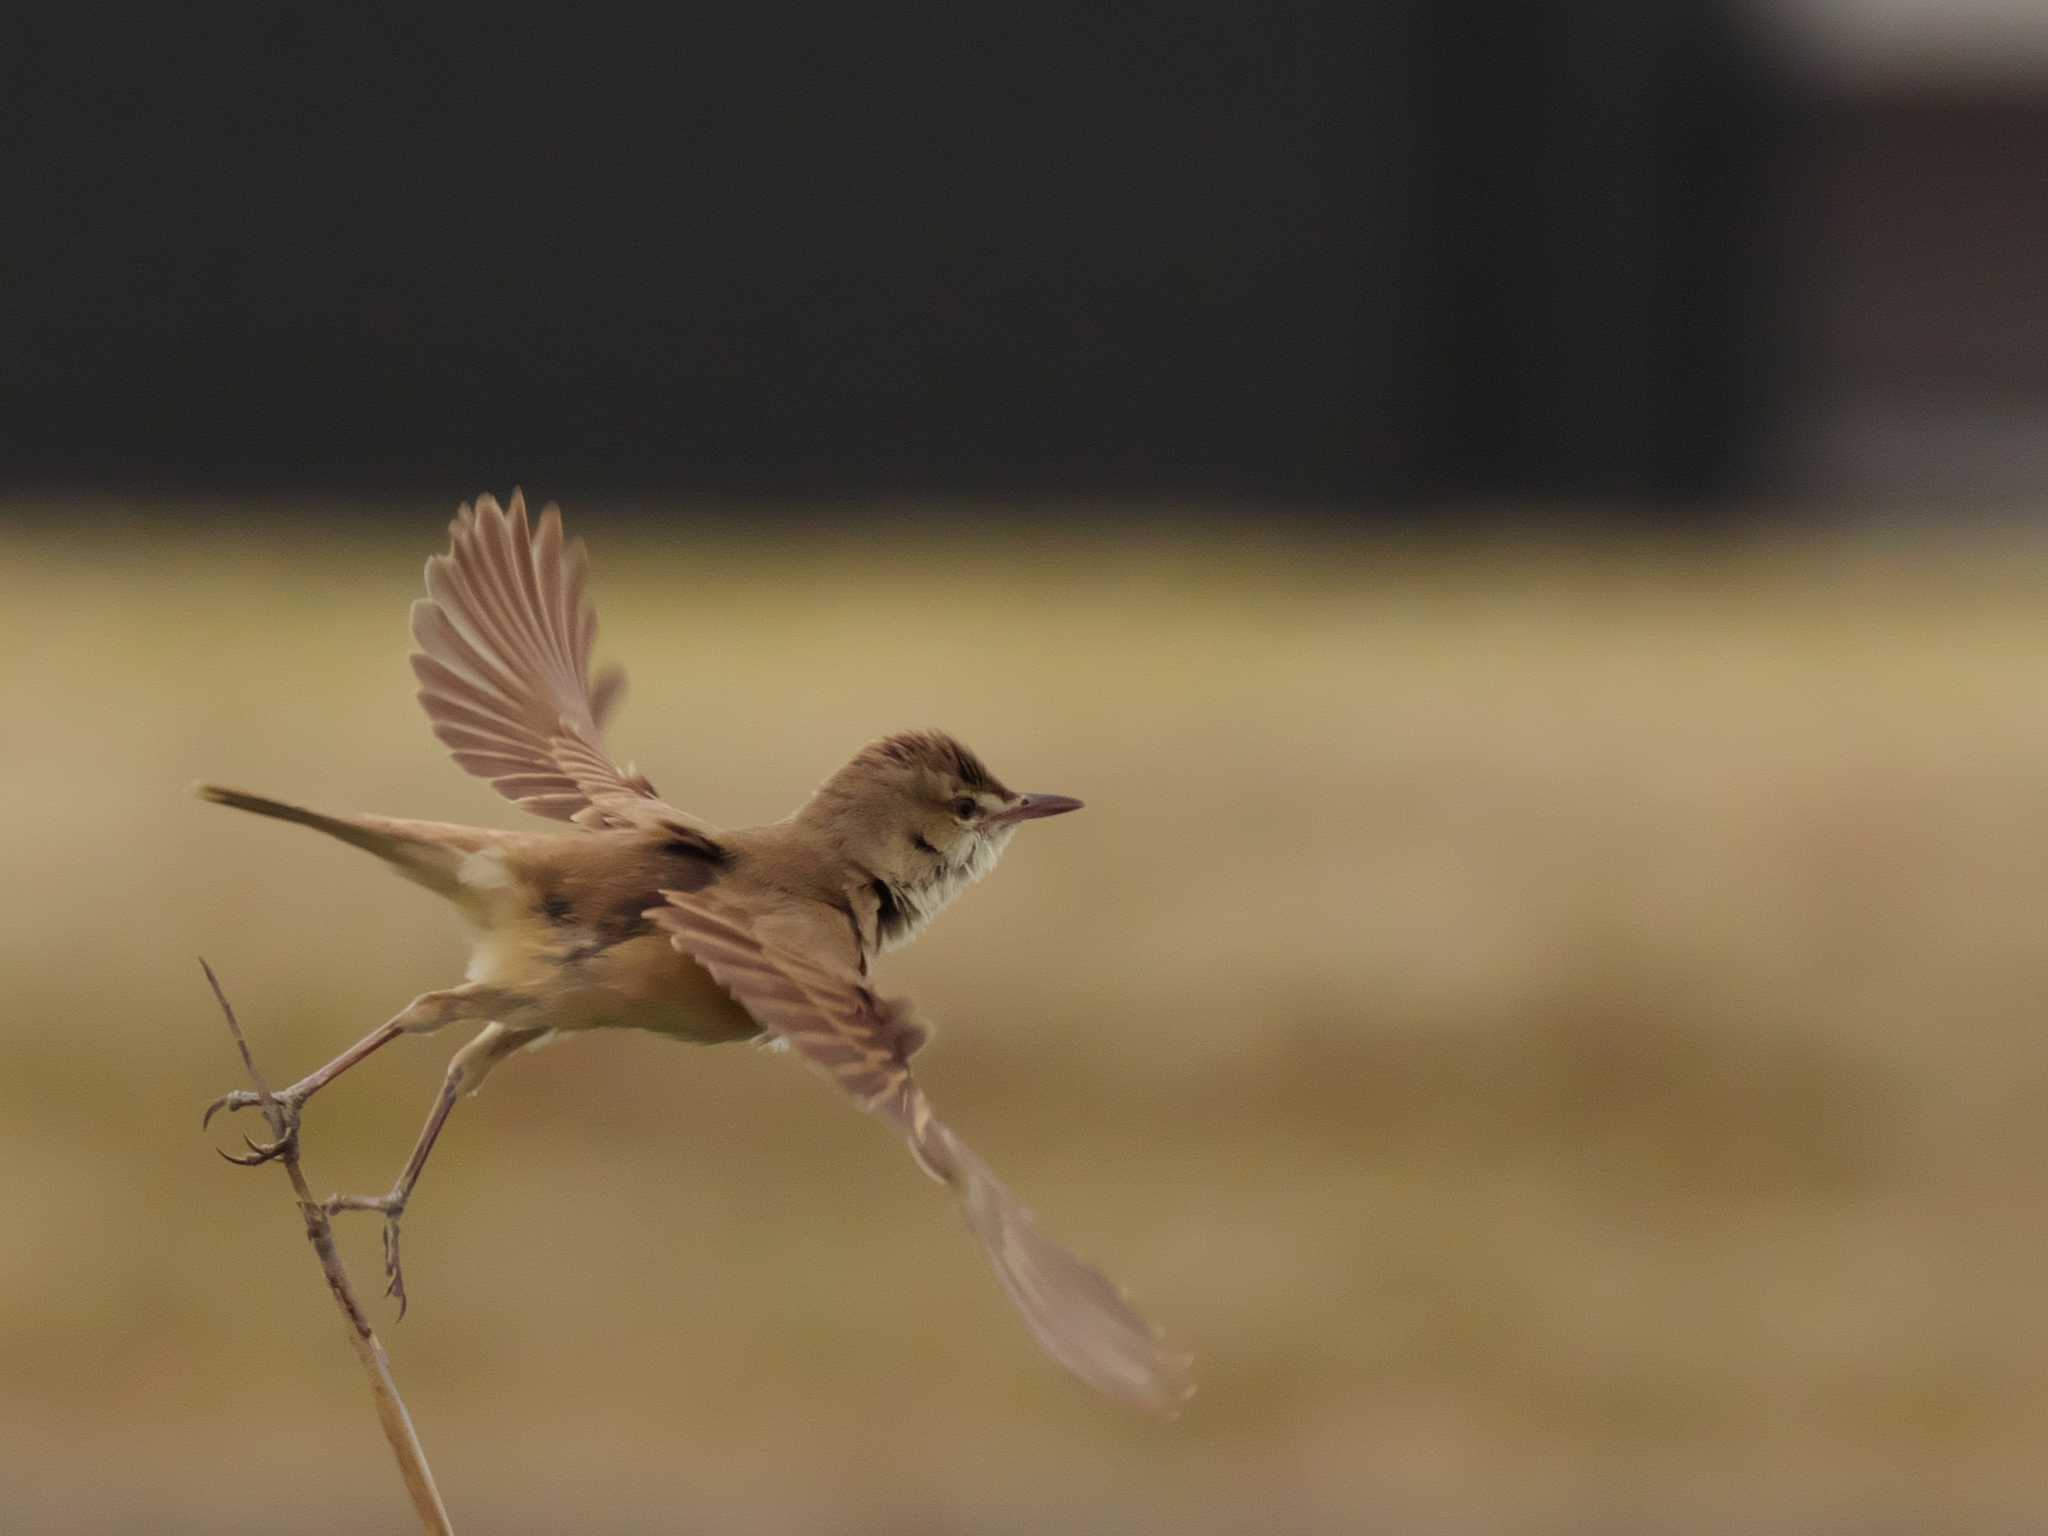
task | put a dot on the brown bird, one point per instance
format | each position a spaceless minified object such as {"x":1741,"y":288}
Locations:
{"x":642,"y":917}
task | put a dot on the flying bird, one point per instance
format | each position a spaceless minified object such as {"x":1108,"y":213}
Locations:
{"x":637,"y":915}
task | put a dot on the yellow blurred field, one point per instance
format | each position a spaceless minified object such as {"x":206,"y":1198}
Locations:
{"x":1559,"y":1029}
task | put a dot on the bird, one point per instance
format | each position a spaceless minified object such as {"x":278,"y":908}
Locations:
{"x":633,"y":914}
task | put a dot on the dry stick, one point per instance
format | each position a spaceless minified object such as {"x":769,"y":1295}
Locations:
{"x":405,"y":1444}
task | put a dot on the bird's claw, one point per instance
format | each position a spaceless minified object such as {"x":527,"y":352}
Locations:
{"x":239,"y":1098}
{"x":260,"y":1152}
{"x":391,"y":1207}
{"x":394,"y":1276}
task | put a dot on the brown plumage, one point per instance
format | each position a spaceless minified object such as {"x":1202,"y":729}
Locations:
{"x":643,"y":917}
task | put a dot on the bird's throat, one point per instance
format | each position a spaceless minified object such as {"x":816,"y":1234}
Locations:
{"x":906,"y":904}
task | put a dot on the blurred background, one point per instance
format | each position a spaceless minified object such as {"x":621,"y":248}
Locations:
{"x":1522,"y":523}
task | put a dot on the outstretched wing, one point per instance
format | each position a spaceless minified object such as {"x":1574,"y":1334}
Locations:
{"x":775,"y":967}
{"x":504,"y":638}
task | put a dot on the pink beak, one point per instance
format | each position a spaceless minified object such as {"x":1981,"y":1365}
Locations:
{"x":1030,"y":808}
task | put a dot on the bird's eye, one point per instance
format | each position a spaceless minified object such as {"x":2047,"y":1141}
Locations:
{"x":966,"y":808}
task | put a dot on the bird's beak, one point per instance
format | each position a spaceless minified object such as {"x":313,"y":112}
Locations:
{"x":1030,"y":808}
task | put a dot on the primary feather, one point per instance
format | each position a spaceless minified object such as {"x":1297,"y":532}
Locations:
{"x":505,"y":637}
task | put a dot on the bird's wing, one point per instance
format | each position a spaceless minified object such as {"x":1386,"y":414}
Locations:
{"x":797,"y":976}
{"x":504,"y":638}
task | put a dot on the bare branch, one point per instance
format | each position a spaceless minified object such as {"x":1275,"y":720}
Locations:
{"x":391,"y":1413}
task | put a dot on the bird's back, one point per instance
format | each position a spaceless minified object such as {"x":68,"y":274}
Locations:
{"x":565,"y":925}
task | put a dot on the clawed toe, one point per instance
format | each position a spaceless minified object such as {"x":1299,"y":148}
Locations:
{"x":391,"y":1207}
{"x":260,"y":1152}
{"x":239,"y":1098}
{"x":394,"y":1276}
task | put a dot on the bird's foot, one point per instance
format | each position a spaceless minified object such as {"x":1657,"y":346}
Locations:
{"x":391,"y":1207}
{"x":259,"y":1152}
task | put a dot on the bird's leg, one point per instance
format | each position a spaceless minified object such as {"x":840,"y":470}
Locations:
{"x":465,"y":1075}
{"x":392,"y":1205}
{"x":423,"y":1015}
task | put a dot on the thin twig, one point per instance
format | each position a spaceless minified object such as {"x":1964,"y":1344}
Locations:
{"x":405,"y":1442}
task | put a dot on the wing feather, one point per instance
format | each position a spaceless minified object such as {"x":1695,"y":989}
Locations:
{"x":863,"y":1043}
{"x":504,"y":638}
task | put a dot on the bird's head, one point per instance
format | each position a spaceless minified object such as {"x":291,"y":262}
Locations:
{"x":921,"y":813}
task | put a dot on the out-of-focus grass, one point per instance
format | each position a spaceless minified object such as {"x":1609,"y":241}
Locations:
{"x":1560,"y":1030}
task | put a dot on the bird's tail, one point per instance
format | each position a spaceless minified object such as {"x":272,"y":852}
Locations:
{"x":429,"y":852}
